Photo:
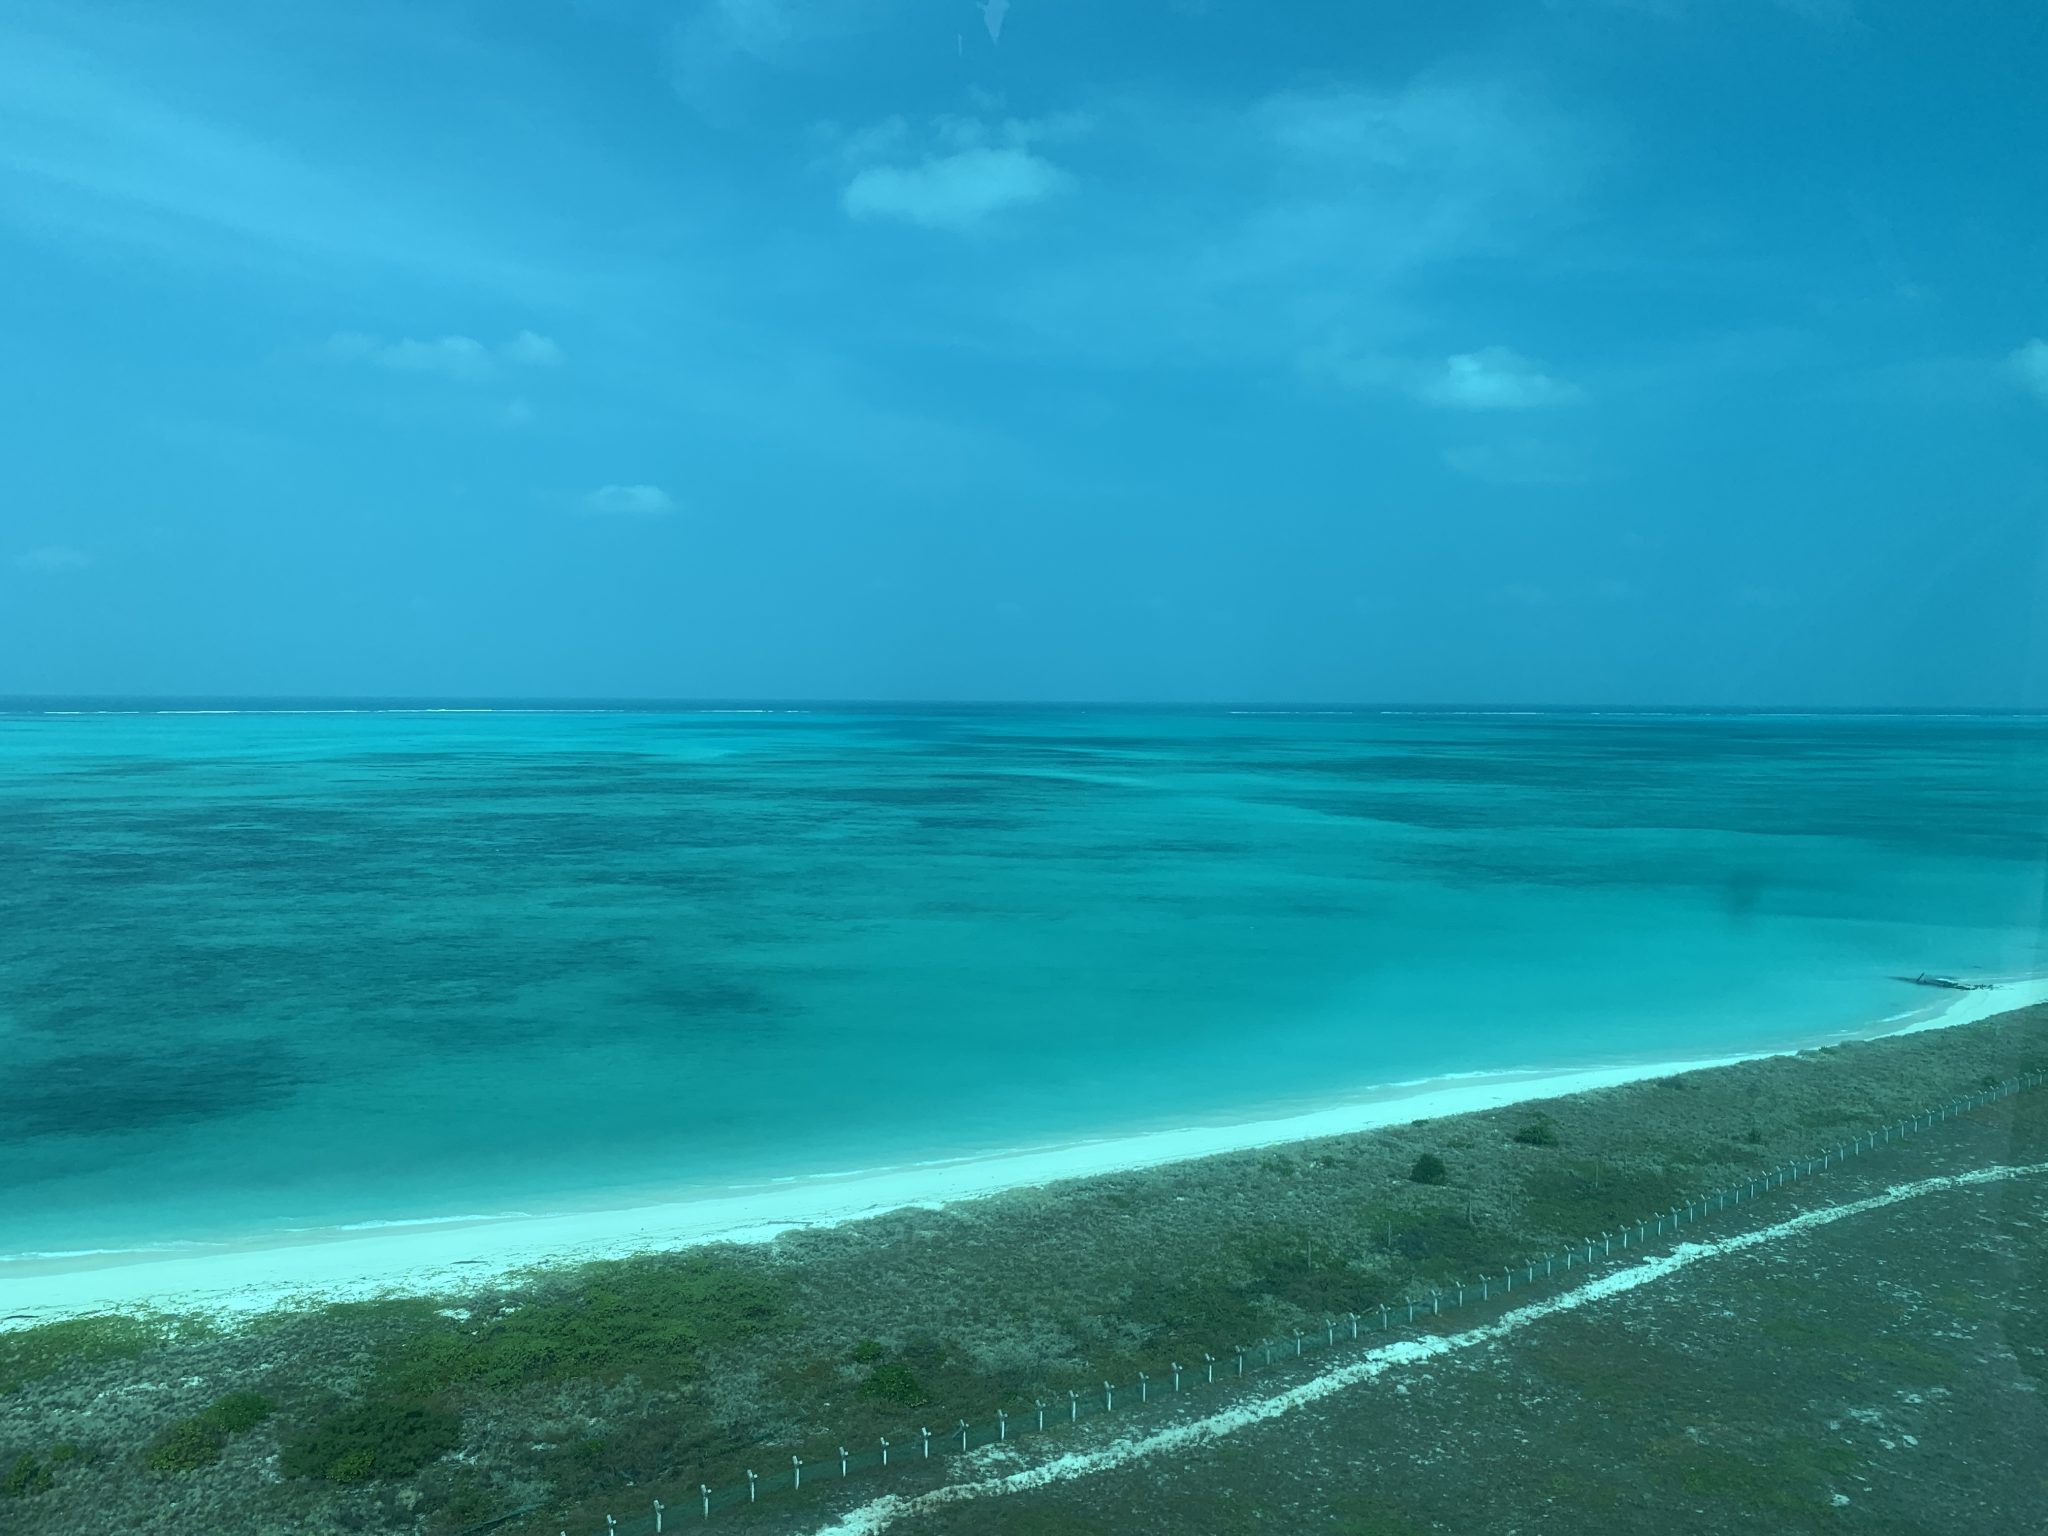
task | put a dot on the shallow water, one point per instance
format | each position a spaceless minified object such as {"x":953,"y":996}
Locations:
{"x":262,"y":970}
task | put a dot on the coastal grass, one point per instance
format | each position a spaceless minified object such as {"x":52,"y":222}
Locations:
{"x":198,"y":1440}
{"x":30,"y":1354}
{"x":650,"y":1319}
{"x":369,"y":1441}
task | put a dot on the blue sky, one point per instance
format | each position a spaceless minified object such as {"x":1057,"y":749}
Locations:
{"x":1590,"y":351}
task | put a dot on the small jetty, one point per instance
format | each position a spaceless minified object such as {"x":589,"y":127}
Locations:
{"x":1950,"y":982}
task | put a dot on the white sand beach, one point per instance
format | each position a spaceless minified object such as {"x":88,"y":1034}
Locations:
{"x":305,"y":1267}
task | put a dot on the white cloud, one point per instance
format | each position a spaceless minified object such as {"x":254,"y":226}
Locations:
{"x":628,"y":501}
{"x":531,"y":350}
{"x":53,"y":557}
{"x":978,"y":166}
{"x":1493,"y":379}
{"x":455,"y":357}
{"x":954,"y":192}
{"x":2029,"y":366}
{"x":460,"y":357}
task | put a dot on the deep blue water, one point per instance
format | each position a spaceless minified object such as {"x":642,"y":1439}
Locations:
{"x":267,"y":969}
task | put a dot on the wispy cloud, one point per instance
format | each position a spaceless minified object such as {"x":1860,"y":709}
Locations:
{"x":627,"y":501}
{"x":2029,"y":365}
{"x":531,"y":350}
{"x":52,"y":558}
{"x":1491,"y":379}
{"x":1494,"y":379}
{"x":1517,"y":461}
{"x":722,"y":52}
{"x":455,"y":357}
{"x":1299,"y":225}
{"x":114,"y":130}
{"x":954,"y":192}
{"x":974,"y":168}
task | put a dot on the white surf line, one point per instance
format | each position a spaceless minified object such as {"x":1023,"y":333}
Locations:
{"x":878,"y":1514}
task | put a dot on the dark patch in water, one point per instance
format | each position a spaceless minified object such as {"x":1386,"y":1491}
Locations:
{"x":99,"y":1092}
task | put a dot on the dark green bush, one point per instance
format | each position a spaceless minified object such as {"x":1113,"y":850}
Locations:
{"x":647,"y":1318}
{"x":893,"y":1383}
{"x":238,"y":1412}
{"x":578,"y":1468}
{"x":64,"y":1451}
{"x":373,"y":1441}
{"x":1429,"y":1169}
{"x":186,"y":1446}
{"x":1537,"y":1133}
{"x":866,"y":1352}
{"x":25,"y":1477}
{"x":198,"y":1441}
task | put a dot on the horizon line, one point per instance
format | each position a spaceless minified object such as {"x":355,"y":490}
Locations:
{"x":23,"y":703}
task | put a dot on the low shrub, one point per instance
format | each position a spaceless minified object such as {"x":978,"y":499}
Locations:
{"x":1429,"y":1169}
{"x":1537,"y":1133}
{"x":373,"y":1441}
{"x":29,"y":1354}
{"x":186,"y":1446}
{"x":866,"y":1352}
{"x":893,"y":1383}
{"x":199,"y":1440}
{"x":648,"y":1318}
{"x":25,"y":1477}
{"x":239,"y":1412}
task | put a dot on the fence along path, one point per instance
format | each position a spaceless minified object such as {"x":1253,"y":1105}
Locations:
{"x":1175,"y":1379}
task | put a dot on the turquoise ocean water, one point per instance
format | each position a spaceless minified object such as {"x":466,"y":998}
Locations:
{"x":262,"y":969}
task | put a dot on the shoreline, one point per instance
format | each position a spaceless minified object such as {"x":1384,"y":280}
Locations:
{"x":434,"y":1255}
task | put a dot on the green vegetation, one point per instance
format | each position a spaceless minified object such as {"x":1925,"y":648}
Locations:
{"x":1789,"y":1476}
{"x":30,"y":1354}
{"x":1577,"y":1197}
{"x":186,"y":1446}
{"x":25,"y":1477}
{"x":647,"y":1318}
{"x":894,"y":1383}
{"x":239,"y":1412}
{"x":373,"y":1441}
{"x":660,"y":1372}
{"x":198,"y":1441}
